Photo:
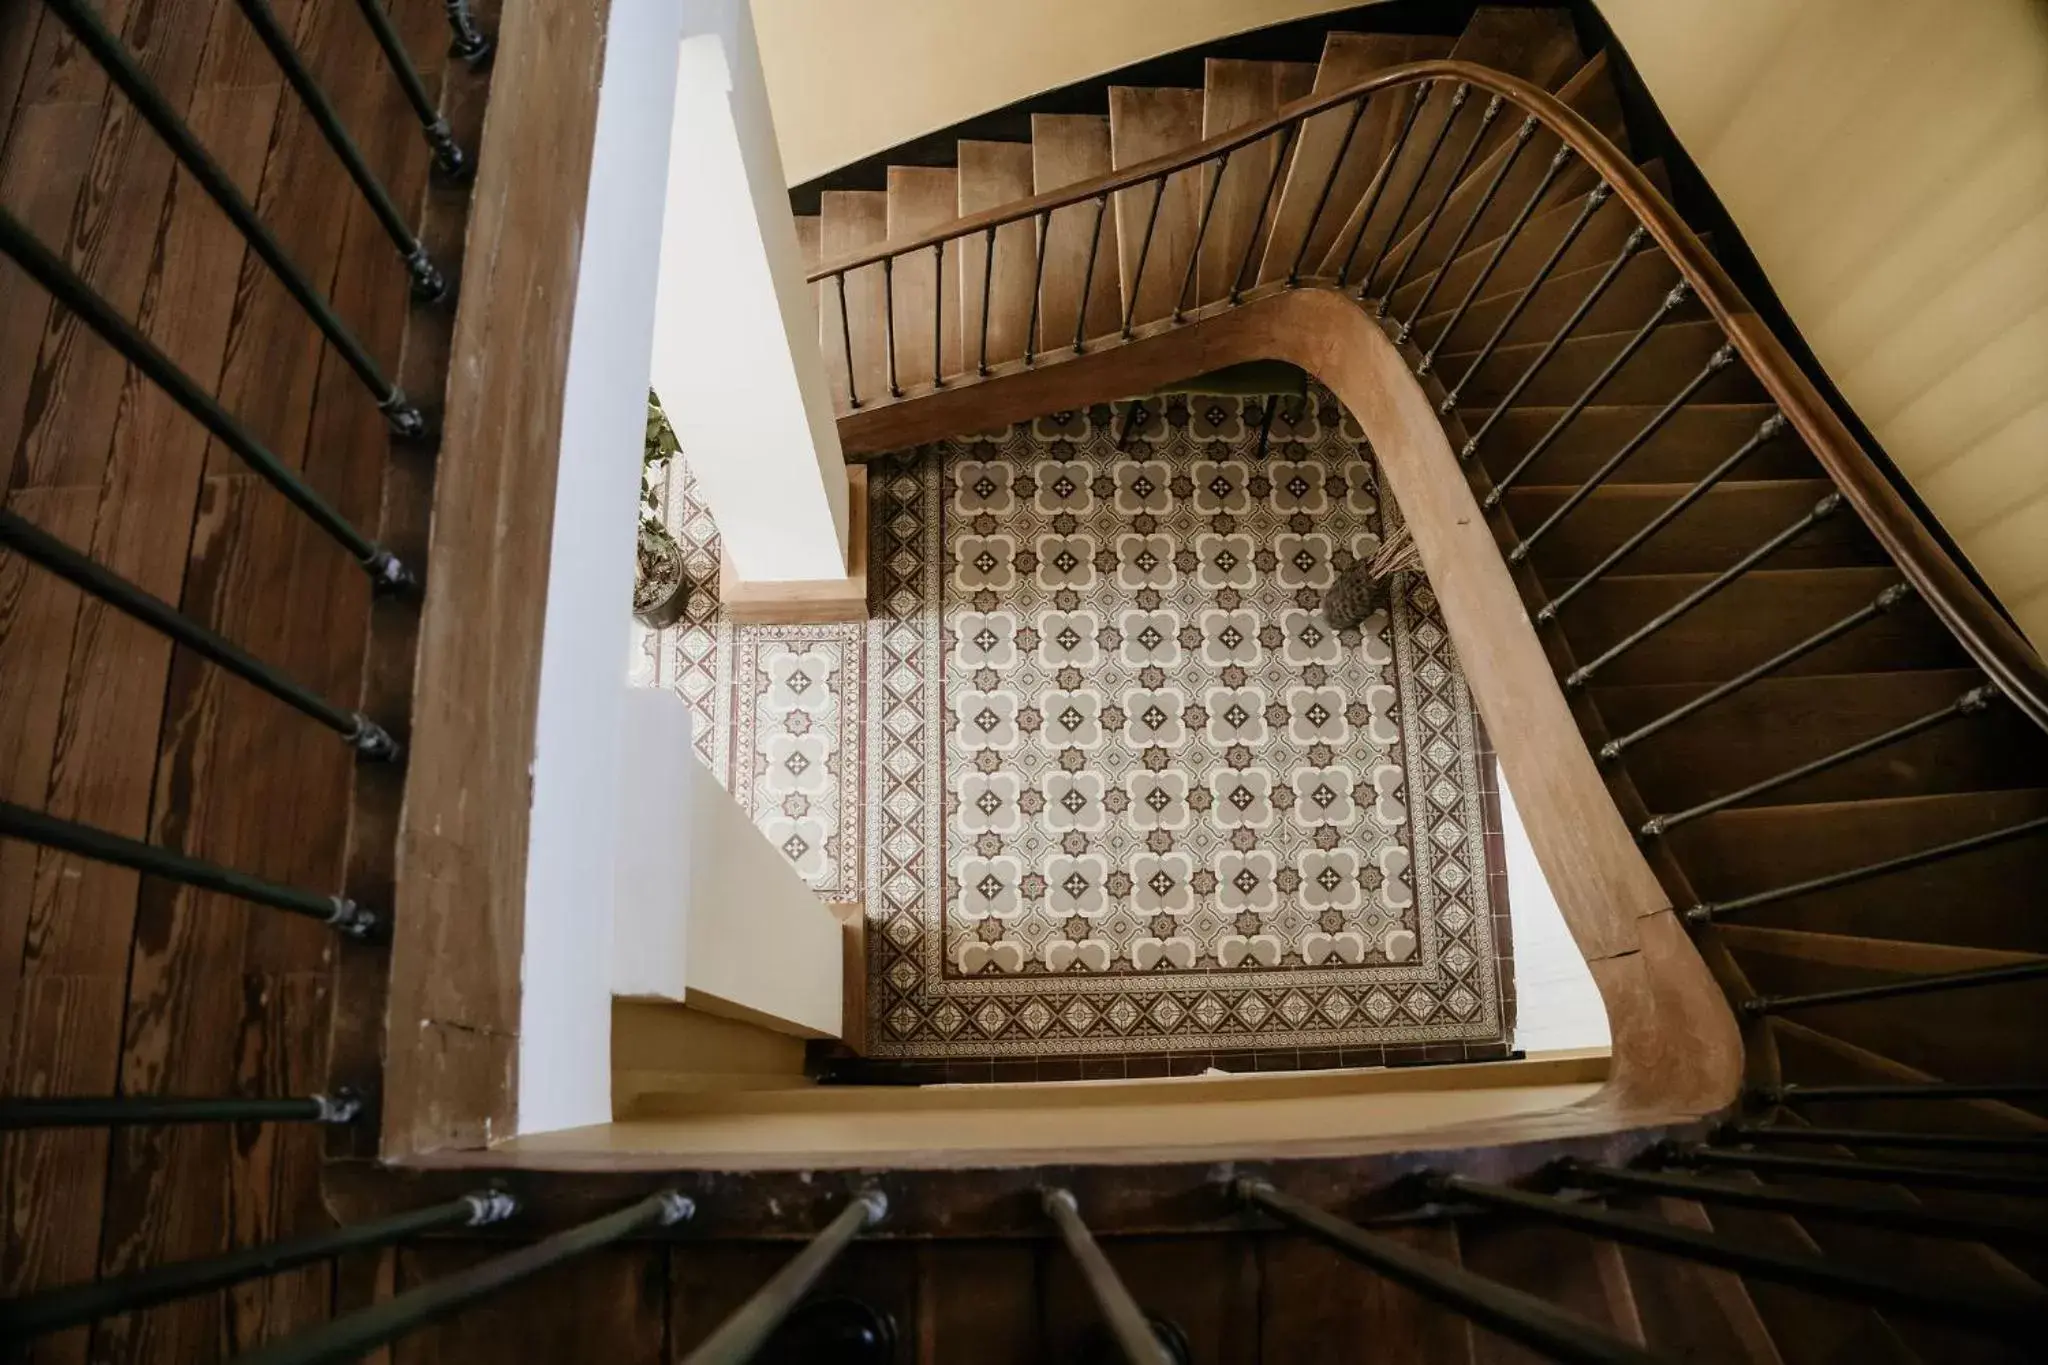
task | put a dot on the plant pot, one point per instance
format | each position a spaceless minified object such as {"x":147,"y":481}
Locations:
{"x":660,"y":589}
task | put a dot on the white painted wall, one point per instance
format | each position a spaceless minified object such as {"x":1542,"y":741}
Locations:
{"x":736,"y":356}
{"x":565,"y":1001}
{"x":1556,"y":1003}
{"x":657,"y":846}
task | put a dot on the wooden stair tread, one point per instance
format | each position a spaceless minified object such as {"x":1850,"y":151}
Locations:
{"x":848,"y":221}
{"x":1066,"y":148}
{"x":1632,"y":296}
{"x":994,"y":174}
{"x":1235,"y":93}
{"x":1730,"y":520}
{"x":1298,"y":231}
{"x":1807,"y":1056}
{"x":927,"y":292}
{"x":1145,"y":123}
{"x":1665,"y":363}
{"x":1691,"y":442}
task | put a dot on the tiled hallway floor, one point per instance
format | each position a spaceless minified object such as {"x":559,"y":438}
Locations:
{"x":1107,"y":785}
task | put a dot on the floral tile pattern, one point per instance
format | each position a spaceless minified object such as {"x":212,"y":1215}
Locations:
{"x":1112,"y":784}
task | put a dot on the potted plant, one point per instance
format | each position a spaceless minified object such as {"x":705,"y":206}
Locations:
{"x":659,"y":587}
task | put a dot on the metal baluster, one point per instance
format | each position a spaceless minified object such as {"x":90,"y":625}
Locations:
{"x":1187,"y":281}
{"x":1968,"y":704}
{"x":1329,"y":184}
{"x":988,"y":275}
{"x":846,"y":339}
{"x":1144,"y":253}
{"x":1759,"y":1006}
{"x":1556,"y":343}
{"x":1822,"y":510}
{"x":1380,"y":177}
{"x":1903,"y":1141}
{"x":1443,"y":131}
{"x":1772,"y":426}
{"x":1088,"y":279}
{"x":33,"y":1315}
{"x":1498,"y":1308}
{"x":355,"y":1335}
{"x":938,"y":311}
{"x":1884,"y":602}
{"x":1252,"y":243}
{"x":1796,"y":1093}
{"x":1595,"y":197}
{"x":1720,"y":360}
{"x":116,"y":1111}
{"x":386,"y":573}
{"x":1127,"y":1322}
{"x":742,"y":1334}
{"x":1706,"y":912}
{"x":889,"y":321}
{"x":1957,"y":1306}
{"x":344,"y":915}
{"x":428,"y":283}
{"x":449,"y":158}
{"x":1037,"y":286}
{"x":1895,"y":1217}
{"x":1436,"y":279}
{"x":1983,"y":1178}
{"x":1457,"y":178}
{"x":469,"y":43}
{"x":122,"y":68}
{"x":1558,"y":161}
{"x":370,"y":740}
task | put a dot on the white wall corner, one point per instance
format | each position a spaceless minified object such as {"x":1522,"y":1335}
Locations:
{"x":736,"y":355}
{"x":565,"y":979}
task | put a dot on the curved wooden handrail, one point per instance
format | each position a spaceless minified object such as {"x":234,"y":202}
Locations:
{"x":1983,"y":631}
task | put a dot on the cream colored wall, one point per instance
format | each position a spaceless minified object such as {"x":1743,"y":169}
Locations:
{"x":847,"y":78}
{"x":1887,"y":160}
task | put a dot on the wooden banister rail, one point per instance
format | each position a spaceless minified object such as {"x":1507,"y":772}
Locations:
{"x":1976,"y":622}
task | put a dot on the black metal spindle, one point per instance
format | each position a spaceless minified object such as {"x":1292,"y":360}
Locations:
{"x":127,"y":74}
{"x":468,"y":42}
{"x":1890,"y":1215}
{"x":1720,"y":360}
{"x":1984,"y":1179}
{"x":846,"y":340}
{"x":1380,"y":178}
{"x":741,"y":1335}
{"x":449,"y":158}
{"x":1127,"y":1322}
{"x":1822,"y":510}
{"x":353,"y":1336}
{"x":1187,"y":281}
{"x":1037,"y":286}
{"x":1884,"y":602}
{"x":1315,"y":216}
{"x":1772,"y":426}
{"x":2005,"y":1145}
{"x":1520,"y":1317}
{"x":428,"y":283}
{"x":386,"y":572}
{"x":988,"y":275}
{"x":1970,"y":703}
{"x":1958,"y":1306}
{"x":53,"y":1310}
{"x":1705,"y":912}
{"x":1558,"y":160}
{"x":1450,"y":257}
{"x":938,"y":312}
{"x":889,"y":321}
{"x":1144,"y":253}
{"x":1451,"y":186}
{"x":115,"y":1111}
{"x":343,"y":914}
{"x":370,"y":740}
{"x":1974,"y":978}
{"x":1253,"y":242}
{"x":1629,"y":247}
{"x":1088,"y":276}
{"x":1436,"y":144}
{"x":1595,"y":197}
{"x":1798,"y":1093}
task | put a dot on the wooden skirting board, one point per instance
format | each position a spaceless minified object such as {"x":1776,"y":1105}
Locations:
{"x":808,"y":601}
